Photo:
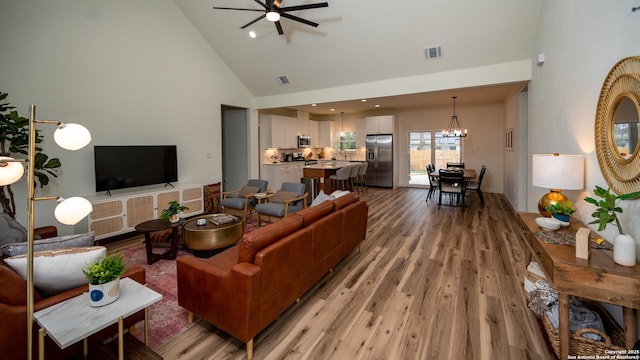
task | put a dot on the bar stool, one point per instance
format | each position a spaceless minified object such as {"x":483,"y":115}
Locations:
{"x":362,"y":172}
{"x":342,"y":175}
{"x":354,"y":176}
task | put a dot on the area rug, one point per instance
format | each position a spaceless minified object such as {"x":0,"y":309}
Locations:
{"x":167,"y":319}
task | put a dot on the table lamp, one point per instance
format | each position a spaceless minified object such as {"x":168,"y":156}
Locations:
{"x":556,"y":172}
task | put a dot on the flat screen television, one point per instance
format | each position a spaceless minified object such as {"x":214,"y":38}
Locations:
{"x":125,"y":166}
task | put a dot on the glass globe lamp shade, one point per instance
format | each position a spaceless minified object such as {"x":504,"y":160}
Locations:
{"x":10,"y":172}
{"x":72,"y":136}
{"x":273,"y":16}
{"x":70,"y":211}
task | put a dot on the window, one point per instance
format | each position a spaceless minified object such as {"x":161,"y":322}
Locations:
{"x":347,"y":141}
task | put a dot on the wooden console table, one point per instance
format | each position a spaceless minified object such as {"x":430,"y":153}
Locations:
{"x":597,"y":278}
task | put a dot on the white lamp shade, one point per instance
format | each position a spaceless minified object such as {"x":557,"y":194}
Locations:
{"x":562,"y":172}
{"x":72,"y":136}
{"x":273,"y":16}
{"x":70,"y":211}
{"x":10,"y":172}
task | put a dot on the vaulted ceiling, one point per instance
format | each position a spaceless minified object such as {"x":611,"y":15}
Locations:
{"x":360,"y":42}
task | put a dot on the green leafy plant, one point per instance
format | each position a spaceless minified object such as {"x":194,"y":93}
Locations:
{"x":561,"y":208}
{"x":14,"y":139}
{"x":173,"y":209}
{"x":104,"y":270}
{"x":607,"y":208}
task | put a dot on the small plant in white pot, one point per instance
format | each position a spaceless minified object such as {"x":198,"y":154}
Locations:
{"x":173,"y":211}
{"x":104,"y":279}
{"x":607,"y":209}
{"x":561,"y":211}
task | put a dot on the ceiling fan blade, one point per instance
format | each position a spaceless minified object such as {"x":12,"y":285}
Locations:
{"x":299,"y":19}
{"x":279,"y":28}
{"x":253,"y":21}
{"x":304,"y":7}
{"x":262,"y":4}
{"x":228,"y":8}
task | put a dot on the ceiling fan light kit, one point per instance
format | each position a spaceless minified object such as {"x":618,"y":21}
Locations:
{"x":273,"y":11}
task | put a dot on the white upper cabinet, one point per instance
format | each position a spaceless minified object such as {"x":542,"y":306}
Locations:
{"x":379,"y":124}
{"x":325,"y":134}
{"x":361,"y":133}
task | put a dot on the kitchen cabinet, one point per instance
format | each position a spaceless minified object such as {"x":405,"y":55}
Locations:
{"x":119,"y":214}
{"x":277,"y":174}
{"x":313,"y":133}
{"x":282,"y":131}
{"x":325,"y":134}
{"x":361,"y":133}
{"x":379,"y":124}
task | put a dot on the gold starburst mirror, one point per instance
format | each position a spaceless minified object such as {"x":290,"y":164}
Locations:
{"x":617,"y":126}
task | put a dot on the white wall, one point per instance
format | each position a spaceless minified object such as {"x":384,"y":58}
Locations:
{"x":132,"y":72}
{"x":581,"y":41}
{"x":515,"y":170}
{"x":484,"y":145}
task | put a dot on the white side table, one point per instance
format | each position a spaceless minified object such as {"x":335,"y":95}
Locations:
{"x":73,"y":320}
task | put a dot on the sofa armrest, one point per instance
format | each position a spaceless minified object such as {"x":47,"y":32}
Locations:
{"x":46,"y":232}
{"x":226,"y":297}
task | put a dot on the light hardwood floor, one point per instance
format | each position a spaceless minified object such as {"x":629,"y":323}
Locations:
{"x":428,"y":284}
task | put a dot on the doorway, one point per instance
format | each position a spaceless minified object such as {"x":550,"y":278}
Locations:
{"x":235,"y":155}
{"x":430,"y":147}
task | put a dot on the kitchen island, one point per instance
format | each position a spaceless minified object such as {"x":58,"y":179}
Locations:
{"x":322,"y":171}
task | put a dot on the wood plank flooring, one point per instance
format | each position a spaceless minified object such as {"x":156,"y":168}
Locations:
{"x":429,"y":284}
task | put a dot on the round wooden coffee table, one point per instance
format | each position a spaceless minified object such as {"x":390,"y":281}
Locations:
{"x":214,"y":234}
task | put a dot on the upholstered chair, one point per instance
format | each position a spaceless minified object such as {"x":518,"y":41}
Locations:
{"x":289,"y":199}
{"x":244,"y":199}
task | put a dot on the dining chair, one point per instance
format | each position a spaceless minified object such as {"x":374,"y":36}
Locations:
{"x":475,"y":186}
{"x":452,"y":165}
{"x":451,"y":182}
{"x":433,"y":181}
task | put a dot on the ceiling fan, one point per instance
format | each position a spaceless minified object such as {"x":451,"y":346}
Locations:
{"x":273,"y":11}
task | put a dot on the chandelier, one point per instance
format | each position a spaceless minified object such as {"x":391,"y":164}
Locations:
{"x":454,"y":128}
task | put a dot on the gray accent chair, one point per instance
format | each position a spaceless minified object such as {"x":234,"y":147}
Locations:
{"x":242,"y":199}
{"x":280,"y":206}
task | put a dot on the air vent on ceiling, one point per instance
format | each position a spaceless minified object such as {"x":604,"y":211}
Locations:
{"x":433,"y":52}
{"x":282,"y":80}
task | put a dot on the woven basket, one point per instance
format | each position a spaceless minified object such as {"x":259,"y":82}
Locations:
{"x":579,"y":345}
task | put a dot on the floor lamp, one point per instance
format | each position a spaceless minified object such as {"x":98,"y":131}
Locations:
{"x":68,"y":211}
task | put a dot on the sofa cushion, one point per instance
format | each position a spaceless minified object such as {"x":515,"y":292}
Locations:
{"x":10,"y":230}
{"x":312,"y":214}
{"x":54,"y":243}
{"x":345,"y":200}
{"x":281,"y":196}
{"x":58,"y":270}
{"x":13,"y":288}
{"x":253,"y":242}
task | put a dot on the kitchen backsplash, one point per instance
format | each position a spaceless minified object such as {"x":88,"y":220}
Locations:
{"x":275,"y":155}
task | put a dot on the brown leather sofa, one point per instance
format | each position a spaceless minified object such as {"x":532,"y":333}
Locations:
{"x":13,"y":312}
{"x":244,"y":288}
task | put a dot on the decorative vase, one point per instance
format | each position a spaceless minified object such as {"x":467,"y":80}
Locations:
{"x":563,"y":219}
{"x":103,"y":294}
{"x":174,"y":218}
{"x":624,"y":250}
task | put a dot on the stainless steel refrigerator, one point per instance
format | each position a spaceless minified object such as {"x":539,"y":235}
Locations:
{"x":380,"y":159}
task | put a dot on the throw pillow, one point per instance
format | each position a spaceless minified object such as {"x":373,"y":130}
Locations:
{"x":54,"y":243}
{"x":211,"y":198}
{"x":321,"y":197}
{"x":248,"y":190}
{"x":58,"y":270}
{"x":281,"y":196}
{"x":10,"y":230}
{"x":338,"y":193}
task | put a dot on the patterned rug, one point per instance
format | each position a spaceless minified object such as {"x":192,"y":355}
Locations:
{"x":166,"y":318}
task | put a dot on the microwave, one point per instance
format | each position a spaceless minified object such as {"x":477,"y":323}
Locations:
{"x":304,"y":141}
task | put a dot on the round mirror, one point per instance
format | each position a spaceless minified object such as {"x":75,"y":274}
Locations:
{"x":625,"y":127}
{"x":617,"y":127}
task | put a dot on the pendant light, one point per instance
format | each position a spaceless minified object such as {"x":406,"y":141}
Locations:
{"x":454,"y":128}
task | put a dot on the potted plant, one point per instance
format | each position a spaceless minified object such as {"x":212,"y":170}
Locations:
{"x":561,"y":211}
{"x":172,"y":211}
{"x":104,"y":279}
{"x":607,"y":209}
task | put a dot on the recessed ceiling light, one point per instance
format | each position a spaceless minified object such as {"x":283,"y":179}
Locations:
{"x":252,"y":34}
{"x":314,"y":105}
{"x":333,"y":109}
{"x":376,"y":105}
{"x":364,"y":100}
